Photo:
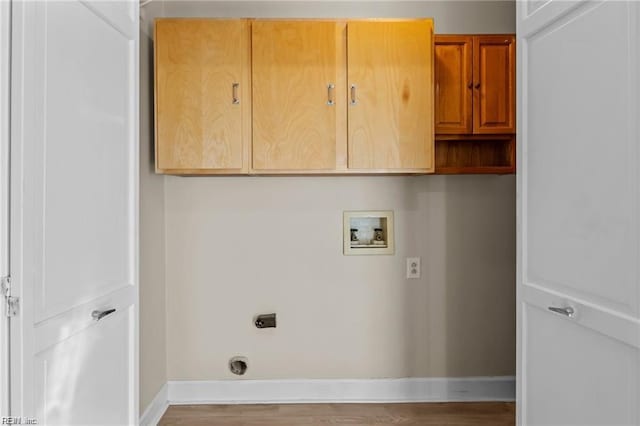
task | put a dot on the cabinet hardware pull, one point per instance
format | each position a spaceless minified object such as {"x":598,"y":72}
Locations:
{"x":330,"y":100}
{"x":98,"y":315}
{"x":353,"y":94}
{"x":567,"y":312}
{"x":477,"y":85}
{"x":470,"y":85}
{"x":234,"y":90}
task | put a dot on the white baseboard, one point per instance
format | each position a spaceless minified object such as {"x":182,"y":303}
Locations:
{"x":342,"y":391}
{"x":156,"y":408}
{"x":327,"y":391}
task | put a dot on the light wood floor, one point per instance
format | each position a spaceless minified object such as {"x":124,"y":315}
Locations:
{"x":450,"y":414}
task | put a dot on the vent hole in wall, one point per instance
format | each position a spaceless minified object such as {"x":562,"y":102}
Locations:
{"x":238,"y":365}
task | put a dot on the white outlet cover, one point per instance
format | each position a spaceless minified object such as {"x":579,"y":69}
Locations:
{"x":413,"y":267}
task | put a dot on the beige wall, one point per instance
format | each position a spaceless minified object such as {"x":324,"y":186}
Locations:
{"x":153,"y":353}
{"x":236,"y":247}
{"x":241,"y":246}
{"x":451,"y":16}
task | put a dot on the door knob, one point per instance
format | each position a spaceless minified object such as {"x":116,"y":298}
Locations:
{"x":567,"y":312}
{"x":98,"y":315}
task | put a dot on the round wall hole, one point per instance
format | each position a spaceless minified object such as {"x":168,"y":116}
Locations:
{"x":238,"y":365}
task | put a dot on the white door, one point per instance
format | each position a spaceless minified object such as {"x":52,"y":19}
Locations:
{"x":5,"y":37}
{"x":74,"y":211}
{"x":579,"y":213}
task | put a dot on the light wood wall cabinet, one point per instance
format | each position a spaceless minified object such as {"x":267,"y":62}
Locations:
{"x":390,"y":95}
{"x":298,"y":96}
{"x":475,"y":103}
{"x":202,"y":96}
{"x":294,"y":97}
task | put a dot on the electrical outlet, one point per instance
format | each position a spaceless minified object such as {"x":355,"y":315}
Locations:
{"x":413,"y":267}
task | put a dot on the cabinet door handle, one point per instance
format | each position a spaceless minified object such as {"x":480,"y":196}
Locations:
{"x":330,"y":100}
{"x":234,"y":93}
{"x":477,"y":85}
{"x":470,"y":85}
{"x":567,"y":312}
{"x":354,"y":100}
{"x":98,"y":315}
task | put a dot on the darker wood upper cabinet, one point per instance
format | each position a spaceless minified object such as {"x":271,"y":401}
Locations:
{"x":494,"y":94}
{"x":475,"y":103}
{"x":475,"y":84}
{"x":454,"y":84}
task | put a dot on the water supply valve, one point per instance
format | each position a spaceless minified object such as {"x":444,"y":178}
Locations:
{"x":265,"y":321}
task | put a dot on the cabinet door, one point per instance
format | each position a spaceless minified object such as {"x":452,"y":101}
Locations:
{"x":494,"y":87}
{"x":390,"y":77}
{"x":203,"y":101}
{"x":454,"y":84}
{"x":299,"y":96}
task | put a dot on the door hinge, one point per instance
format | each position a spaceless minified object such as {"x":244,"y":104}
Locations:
{"x":5,"y":285}
{"x":11,"y":303}
{"x":12,"y":306}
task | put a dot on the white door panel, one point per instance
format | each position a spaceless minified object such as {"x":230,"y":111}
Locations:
{"x":86,"y":129}
{"x":533,"y":5}
{"x":582,"y":197}
{"x":60,"y":327}
{"x":601,"y":320}
{"x":584,"y":378}
{"x":578,"y":212}
{"x":5,"y":137}
{"x":122,"y":15}
{"x":72,"y":384}
{"x":74,"y":206}
{"x":535,"y":15}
